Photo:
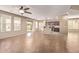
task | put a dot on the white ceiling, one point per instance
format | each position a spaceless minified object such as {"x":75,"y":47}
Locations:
{"x":39,"y":12}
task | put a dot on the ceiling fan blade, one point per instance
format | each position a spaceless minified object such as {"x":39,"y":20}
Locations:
{"x":21,"y":7}
{"x":26,"y":8}
{"x":28,"y":12}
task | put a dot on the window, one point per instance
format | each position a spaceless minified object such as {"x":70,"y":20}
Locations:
{"x":17,"y":23}
{"x":36,"y":24}
{"x":73,"y":24}
{"x":5,"y":23}
{"x":0,"y":23}
{"x":41,"y":25}
{"x":8,"y":24}
{"x":29,"y":26}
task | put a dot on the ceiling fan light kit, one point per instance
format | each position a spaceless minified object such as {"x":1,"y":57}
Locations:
{"x":23,"y":10}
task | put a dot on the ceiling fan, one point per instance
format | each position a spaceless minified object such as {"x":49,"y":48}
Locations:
{"x":23,"y":10}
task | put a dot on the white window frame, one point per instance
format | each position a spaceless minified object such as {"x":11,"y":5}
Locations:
{"x":3,"y":20}
{"x":17,"y":23}
{"x":29,"y":24}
